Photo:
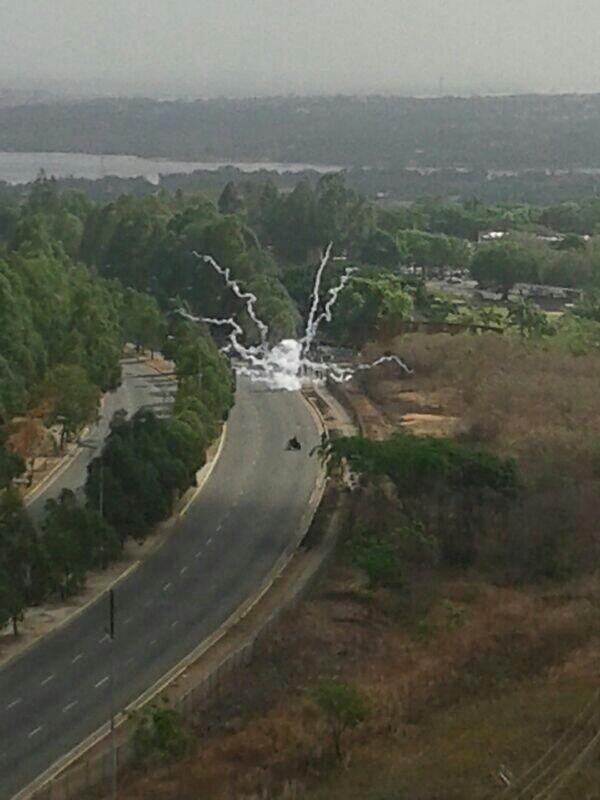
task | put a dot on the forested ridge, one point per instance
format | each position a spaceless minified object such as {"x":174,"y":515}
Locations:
{"x":514,"y":132}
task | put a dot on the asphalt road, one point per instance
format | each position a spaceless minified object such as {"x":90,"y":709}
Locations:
{"x":142,"y":386}
{"x":57,"y":693}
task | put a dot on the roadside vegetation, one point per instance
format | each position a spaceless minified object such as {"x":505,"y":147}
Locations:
{"x":62,"y":332}
{"x":454,"y":639}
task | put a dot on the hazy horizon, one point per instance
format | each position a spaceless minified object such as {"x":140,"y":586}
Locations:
{"x":184,"y":48}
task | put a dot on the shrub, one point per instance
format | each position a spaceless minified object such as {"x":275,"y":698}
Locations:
{"x":160,"y":734}
{"x":343,"y":708}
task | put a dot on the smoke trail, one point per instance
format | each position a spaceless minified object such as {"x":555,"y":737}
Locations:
{"x":249,"y":298}
{"x":250,"y":354}
{"x":327,"y":314}
{"x":247,"y":353}
{"x":286,"y":365}
{"x":345,"y":374}
{"x":311,"y":329}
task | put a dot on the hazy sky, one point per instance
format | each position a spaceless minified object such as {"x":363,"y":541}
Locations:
{"x":240,"y":47}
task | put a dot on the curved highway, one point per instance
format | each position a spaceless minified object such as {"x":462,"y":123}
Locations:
{"x":56,"y":694}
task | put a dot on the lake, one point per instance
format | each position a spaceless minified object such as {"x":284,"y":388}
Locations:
{"x":25,"y":167}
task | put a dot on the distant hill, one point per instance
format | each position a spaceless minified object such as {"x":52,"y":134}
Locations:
{"x":500,"y":133}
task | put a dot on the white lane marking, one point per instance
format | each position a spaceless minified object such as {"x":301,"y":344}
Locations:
{"x":183,"y":570}
{"x":127,"y":621}
{"x":175,"y":624}
{"x":14,"y":703}
{"x":167,"y":586}
{"x":199,"y":553}
{"x":209,"y":541}
{"x":153,"y":642}
{"x":66,"y":709}
{"x":105,"y":638}
{"x":219,"y":528}
{"x":102,"y":682}
{"x":34,"y":732}
{"x":47,"y":680}
{"x":129,"y":661}
{"x":77,"y":658}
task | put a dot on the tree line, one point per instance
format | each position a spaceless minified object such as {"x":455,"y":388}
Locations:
{"x":482,"y":133}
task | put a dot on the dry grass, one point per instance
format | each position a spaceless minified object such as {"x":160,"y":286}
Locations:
{"x":532,"y":400}
{"x":463,"y":677}
{"x":448,"y":704}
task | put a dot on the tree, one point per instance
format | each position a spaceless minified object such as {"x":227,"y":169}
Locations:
{"x":27,"y":434}
{"x":74,"y":399}
{"x":230,"y":201}
{"x":67,"y":544}
{"x":343,"y":708}
{"x":12,"y":601}
{"x":160,"y":733}
{"x":11,"y":464}
{"x":21,"y":580}
{"x":294,"y":225}
{"x":143,"y":324}
{"x":381,"y":250}
{"x":571,"y":242}
{"x":366,"y":304}
{"x":502,"y":264}
{"x":441,"y":474}
{"x":76,"y":539}
{"x":530,"y":320}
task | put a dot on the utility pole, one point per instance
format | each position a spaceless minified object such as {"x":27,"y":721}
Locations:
{"x":113,"y":745}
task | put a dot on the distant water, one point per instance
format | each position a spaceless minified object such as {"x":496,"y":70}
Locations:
{"x":25,"y":167}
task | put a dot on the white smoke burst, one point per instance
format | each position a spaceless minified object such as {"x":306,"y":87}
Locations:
{"x":286,"y":365}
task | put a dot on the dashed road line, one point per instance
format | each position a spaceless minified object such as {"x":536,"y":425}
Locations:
{"x":35,"y":732}
{"x":175,"y":624}
{"x":153,"y":642}
{"x":183,"y":570}
{"x":14,"y":703}
{"x":102,"y":682}
{"x":127,"y":621}
{"x":66,"y":709}
{"x":105,"y":638}
{"x":77,"y":658}
{"x":198,"y":554}
{"x":167,"y":586}
{"x":47,"y":680}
